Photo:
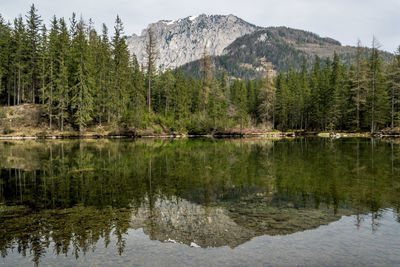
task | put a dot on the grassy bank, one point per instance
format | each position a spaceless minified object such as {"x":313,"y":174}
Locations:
{"x":29,"y":121}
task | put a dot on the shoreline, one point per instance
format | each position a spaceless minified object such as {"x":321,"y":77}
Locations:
{"x":95,"y":136}
{"x":26,"y":122}
{"x":332,"y":135}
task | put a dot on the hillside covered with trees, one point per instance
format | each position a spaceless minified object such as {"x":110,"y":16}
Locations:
{"x":281,"y":48}
{"x":82,"y":78}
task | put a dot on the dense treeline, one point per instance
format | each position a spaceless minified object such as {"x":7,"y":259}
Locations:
{"x":334,"y":97}
{"x":85,"y":78}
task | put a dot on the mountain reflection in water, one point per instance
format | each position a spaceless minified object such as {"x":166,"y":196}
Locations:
{"x":71,"y":195}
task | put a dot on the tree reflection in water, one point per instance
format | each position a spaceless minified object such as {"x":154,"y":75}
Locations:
{"x":69,"y":195}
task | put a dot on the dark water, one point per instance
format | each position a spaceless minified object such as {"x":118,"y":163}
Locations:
{"x":200,"y":202}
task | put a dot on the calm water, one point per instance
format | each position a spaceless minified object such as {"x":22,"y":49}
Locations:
{"x":200,"y":202}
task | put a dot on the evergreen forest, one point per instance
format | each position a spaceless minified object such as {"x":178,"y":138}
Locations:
{"x":84,"y":78}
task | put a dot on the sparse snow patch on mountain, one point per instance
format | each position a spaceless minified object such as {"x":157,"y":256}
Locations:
{"x":184,"y":40}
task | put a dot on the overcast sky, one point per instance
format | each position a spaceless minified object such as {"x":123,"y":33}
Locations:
{"x":343,"y":20}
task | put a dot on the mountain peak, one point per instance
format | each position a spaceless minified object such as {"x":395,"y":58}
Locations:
{"x":239,"y":47}
{"x":183,"y":40}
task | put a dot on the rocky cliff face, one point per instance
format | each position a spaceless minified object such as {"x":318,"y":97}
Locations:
{"x":184,"y":40}
{"x":241,"y":49}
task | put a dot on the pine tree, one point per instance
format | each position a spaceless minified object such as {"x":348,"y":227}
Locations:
{"x":293,"y":106}
{"x":157,"y":92}
{"x":241,"y":105}
{"x":207,"y":77}
{"x":94,"y":66}
{"x":33,"y":43}
{"x":52,"y":69}
{"x":351,"y":85}
{"x":358,"y":84}
{"x":167,"y":84}
{"x":137,"y":101}
{"x":104,"y":60}
{"x":252,"y":99}
{"x":315,"y":97}
{"x":266,"y":100}
{"x":305,"y":96}
{"x":62,"y":76}
{"x":5,"y":58}
{"x":281,"y":102}
{"x":217,"y":106}
{"x":43,"y":63}
{"x":341,"y":95}
{"x":82,"y":98}
{"x":151,"y":56}
{"x":195,"y":92}
{"x":181,"y":101}
{"x":377,"y":99}
{"x":326,"y":96}
{"x":223,"y":84}
{"x":393,"y":74}
{"x":19,"y":57}
{"x":120,"y":72}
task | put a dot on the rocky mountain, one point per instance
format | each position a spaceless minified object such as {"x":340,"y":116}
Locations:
{"x":184,"y":40}
{"x":241,"y":49}
{"x":279,"y":48}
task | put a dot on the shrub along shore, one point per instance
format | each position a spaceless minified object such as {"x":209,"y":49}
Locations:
{"x":29,"y":122}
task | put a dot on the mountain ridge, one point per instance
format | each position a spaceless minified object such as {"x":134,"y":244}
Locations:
{"x":184,"y":40}
{"x":239,"y":48}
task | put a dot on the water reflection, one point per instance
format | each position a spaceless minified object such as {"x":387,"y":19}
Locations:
{"x":69,"y":195}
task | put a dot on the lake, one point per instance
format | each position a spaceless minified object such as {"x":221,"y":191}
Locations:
{"x":203,"y":202}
